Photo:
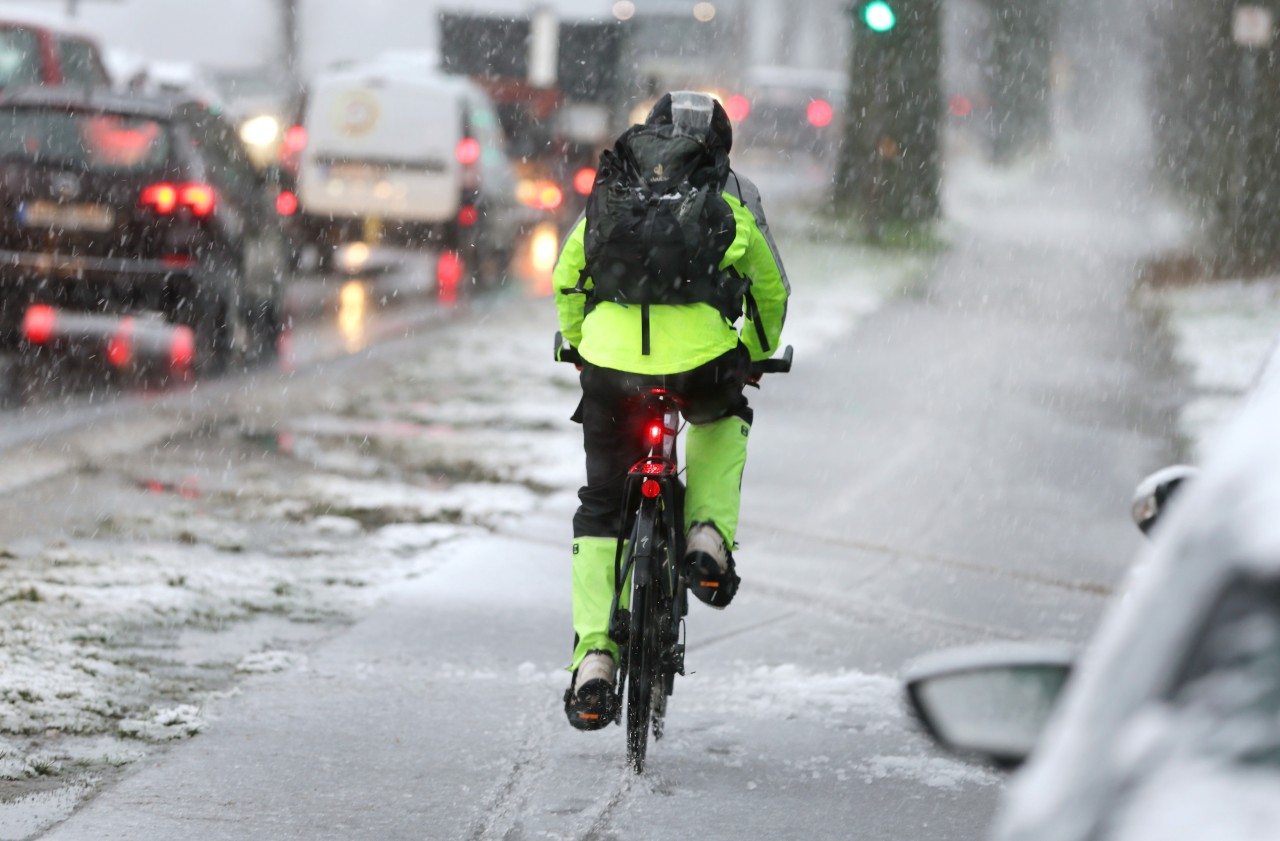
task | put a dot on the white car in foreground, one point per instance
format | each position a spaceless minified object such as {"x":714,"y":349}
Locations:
{"x":1169,"y":725}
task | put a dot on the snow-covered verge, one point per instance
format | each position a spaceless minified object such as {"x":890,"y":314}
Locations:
{"x":1223,"y":333}
{"x":230,"y":552}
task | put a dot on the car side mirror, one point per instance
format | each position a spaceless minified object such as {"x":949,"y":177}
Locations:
{"x":1152,"y":496}
{"x":990,"y":701}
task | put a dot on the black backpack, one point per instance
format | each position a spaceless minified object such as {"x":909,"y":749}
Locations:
{"x":658,"y":226}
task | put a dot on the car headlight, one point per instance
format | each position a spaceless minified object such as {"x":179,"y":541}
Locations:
{"x":260,"y":131}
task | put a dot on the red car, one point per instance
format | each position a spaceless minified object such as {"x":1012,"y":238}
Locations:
{"x":34,"y":54}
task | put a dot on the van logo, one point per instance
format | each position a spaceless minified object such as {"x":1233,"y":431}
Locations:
{"x":356,"y":113}
{"x":65,"y":186}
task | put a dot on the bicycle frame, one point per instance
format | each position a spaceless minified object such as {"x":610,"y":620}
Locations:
{"x":649,"y":563}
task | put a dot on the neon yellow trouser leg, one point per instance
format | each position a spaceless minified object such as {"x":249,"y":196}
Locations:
{"x":593,"y":595}
{"x":715,"y":455}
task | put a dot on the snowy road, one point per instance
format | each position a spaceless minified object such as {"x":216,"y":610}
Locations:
{"x":337,"y":606}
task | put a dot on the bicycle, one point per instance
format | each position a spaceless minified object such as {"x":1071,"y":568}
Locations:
{"x":650,"y":555}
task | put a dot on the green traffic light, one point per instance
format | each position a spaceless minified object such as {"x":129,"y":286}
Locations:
{"x":879,"y":16}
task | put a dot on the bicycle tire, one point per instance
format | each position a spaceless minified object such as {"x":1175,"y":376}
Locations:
{"x":640,"y":677}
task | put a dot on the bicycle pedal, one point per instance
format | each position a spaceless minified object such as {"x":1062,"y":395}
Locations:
{"x":673,"y":658}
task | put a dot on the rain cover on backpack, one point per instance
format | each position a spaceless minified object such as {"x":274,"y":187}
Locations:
{"x":657,"y":224}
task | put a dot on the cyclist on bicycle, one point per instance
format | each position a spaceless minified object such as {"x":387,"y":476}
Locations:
{"x":695,"y":350}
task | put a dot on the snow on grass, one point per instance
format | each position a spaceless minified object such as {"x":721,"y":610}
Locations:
{"x":1223,"y":332}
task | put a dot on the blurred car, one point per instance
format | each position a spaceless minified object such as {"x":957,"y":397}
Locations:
{"x":789,"y":111}
{"x":1169,"y":726}
{"x":403,"y":153}
{"x":114,"y":205}
{"x":36,"y":54}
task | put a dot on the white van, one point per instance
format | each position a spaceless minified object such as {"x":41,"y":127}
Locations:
{"x":414,"y":154}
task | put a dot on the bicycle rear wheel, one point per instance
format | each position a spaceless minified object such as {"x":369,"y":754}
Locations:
{"x":641,"y":658}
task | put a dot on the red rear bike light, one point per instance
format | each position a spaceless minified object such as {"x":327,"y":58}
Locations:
{"x":650,"y":488}
{"x":38,"y":324}
{"x":654,"y":433}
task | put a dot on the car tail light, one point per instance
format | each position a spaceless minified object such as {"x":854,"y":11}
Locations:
{"x":38,"y":324}
{"x":295,"y":140}
{"x":162,"y":198}
{"x":120,"y":345}
{"x":467,"y":151}
{"x":819,"y":113}
{"x":550,"y":197}
{"x":182,"y":347}
{"x":286,"y":203}
{"x":468,"y":215}
{"x":198,"y":197}
{"x":166,"y":198}
{"x":584,"y":179}
{"x":449,"y":270}
{"x":737,"y":108}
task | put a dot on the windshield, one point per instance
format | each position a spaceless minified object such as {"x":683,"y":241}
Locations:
{"x":19,"y":57}
{"x":87,"y":141}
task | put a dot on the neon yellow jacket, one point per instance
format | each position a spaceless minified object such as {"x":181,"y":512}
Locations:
{"x":683,"y":336}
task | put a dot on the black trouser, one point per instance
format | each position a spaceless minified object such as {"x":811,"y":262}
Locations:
{"x":612,"y":434}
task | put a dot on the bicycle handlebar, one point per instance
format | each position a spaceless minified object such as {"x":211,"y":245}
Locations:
{"x":776,"y":365}
{"x":565,"y":352}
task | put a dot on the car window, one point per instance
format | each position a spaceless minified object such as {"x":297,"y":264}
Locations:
{"x":79,"y":62}
{"x":83,"y":140}
{"x":1229,"y":689}
{"x":19,"y":57}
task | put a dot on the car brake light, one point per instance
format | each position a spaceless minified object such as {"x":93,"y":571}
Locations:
{"x":165,"y":198}
{"x":819,"y":113}
{"x":198,"y":197}
{"x":468,"y":215}
{"x":550,"y":197}
{"x":449,"y":270}
{"x":286,"y":203}
{"x":120,"y":345}
{"x":162,"y":198}
{"x":295,"y":140}
{"x":584,"y":179}
{"x":38,"y":323}
{"x":467,"y":151}
{"x":182,"y":347}
{"x":737,"y":108}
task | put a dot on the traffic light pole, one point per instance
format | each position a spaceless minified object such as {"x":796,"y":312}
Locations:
{"x":889,"y":170}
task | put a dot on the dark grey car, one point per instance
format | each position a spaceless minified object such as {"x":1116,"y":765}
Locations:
{"x":118,"y":206}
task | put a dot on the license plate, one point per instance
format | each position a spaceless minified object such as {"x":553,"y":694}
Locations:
{"x":67,"y":217}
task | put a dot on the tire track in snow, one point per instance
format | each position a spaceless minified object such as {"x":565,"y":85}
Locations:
{"x":500,"y":815}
